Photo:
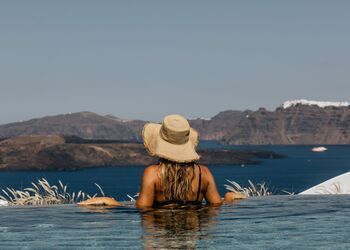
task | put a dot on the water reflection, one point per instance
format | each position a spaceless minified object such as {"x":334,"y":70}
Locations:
{"x":177,"y":227}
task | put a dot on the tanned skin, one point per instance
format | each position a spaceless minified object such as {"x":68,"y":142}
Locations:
{"x":150,"y":190}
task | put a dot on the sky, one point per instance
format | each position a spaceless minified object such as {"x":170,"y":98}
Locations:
{"x":147,"y":59}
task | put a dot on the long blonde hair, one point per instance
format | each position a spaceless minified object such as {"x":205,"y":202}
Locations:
{"x":176,"y":179}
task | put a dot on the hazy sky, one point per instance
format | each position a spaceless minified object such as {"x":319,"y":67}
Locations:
{"x":146,"y":59}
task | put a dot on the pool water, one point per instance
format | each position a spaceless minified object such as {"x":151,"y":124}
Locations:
{"x":275,"y":222}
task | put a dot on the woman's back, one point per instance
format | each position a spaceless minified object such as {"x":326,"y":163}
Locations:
{"x":181,"y":185}
{"x":186,"y":185}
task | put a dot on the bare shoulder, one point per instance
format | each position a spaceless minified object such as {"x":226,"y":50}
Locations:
{"x":151,"y":171}
{"x":205,"y":169}
{"x":151,"y":168}
{"x":206,"y":174}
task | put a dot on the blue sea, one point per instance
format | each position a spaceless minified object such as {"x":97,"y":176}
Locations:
{"x":300,"y":170}
{"x":276,"y":222}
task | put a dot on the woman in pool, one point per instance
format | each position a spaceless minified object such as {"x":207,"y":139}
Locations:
{"x":177,"y":179}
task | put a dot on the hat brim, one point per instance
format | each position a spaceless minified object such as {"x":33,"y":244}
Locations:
{"x":156,"y":146}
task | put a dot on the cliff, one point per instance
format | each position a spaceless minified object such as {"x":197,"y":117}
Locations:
{"x":293,"y":123}
{"x":299,"y":124}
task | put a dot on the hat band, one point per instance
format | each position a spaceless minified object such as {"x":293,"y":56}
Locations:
{"x":174,"y":137}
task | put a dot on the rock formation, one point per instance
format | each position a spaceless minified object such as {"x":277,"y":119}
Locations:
{"x":295,"y":122}
{"x":70,"y":153}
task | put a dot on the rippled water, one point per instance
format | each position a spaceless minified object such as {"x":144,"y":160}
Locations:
{"x":277,"y":222}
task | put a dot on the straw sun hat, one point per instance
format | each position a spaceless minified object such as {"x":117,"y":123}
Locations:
{"x":173,"y":140}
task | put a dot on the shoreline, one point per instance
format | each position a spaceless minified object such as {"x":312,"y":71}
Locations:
{"x":61,"y":153}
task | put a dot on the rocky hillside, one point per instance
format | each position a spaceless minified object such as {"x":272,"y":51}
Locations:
{"x":70,"y":153}
{"x":299,"y":124}
{"x":295,"y":123}
{"x":87,"y":125}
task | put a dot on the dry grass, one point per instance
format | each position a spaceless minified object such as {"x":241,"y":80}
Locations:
{"x":132,"y":198}
{"x":259,"y":189}
{"x":42,"y":193}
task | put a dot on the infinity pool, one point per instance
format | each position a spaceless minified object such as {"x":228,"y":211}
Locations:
{"x":276,"y":222}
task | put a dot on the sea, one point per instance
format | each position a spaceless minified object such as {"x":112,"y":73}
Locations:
{"x":299,"y":170}
{"x":280,"y":221}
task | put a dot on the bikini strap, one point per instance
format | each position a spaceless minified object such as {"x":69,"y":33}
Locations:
{"x":199,"y":182}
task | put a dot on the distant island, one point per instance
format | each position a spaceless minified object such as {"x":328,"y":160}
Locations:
{"x":85,"y":139}
{"x":54,"y":152}
{"x":294,"y":122}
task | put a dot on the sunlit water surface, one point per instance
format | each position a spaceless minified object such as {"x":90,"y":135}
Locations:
{"x":278,"y":222}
